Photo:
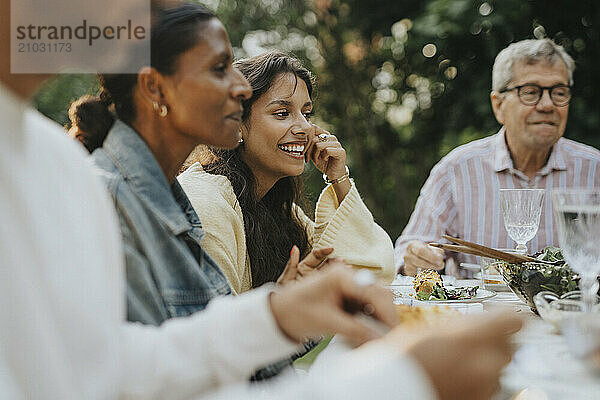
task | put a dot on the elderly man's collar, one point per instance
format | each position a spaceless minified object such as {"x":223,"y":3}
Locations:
{"x":503,"y":160}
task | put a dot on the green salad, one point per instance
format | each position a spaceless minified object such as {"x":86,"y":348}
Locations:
{"x":529,"y":278}
{"x":442,"y":293}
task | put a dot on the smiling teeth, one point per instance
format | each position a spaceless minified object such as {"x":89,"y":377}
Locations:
{"x":292,"y":148}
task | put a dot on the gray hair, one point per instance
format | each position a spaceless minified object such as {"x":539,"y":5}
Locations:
{"x":529,"y":51}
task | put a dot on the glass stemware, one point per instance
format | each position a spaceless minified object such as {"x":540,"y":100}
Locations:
{"x":522,"y":209}
{"x":577,"y":212}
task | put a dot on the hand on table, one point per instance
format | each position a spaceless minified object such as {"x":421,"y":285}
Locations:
{"x":421,"y":255}
{"x":325,"y":303}
{"x":463,"y":359}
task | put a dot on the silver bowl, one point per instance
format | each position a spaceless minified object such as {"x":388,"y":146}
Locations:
{"x":529,"y":278}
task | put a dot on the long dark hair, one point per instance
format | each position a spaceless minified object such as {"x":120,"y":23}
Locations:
{"x":174,"y":31}
{"x":271,"y":224}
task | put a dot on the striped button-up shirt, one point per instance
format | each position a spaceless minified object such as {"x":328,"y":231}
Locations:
{"x":460,"y":198}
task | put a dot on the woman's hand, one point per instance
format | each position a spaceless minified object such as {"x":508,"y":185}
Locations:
{"x":327,"y":153}
{"x":295,"y":270}
{"x":329,"y":157}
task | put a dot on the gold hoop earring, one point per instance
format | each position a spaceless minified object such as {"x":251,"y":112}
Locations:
{"x":163,"y":109}
{"x":241,"y":140}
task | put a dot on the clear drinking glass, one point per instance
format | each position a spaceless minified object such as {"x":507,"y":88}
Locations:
{"x":577,"y":213}
{"x":522,"y":209}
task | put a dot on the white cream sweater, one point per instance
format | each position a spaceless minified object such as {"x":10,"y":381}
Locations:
{"x":347,"y":227}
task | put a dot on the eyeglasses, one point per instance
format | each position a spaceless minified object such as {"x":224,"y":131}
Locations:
{"x":531,"y":94}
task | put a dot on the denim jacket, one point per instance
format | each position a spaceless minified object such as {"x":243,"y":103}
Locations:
{"x":168,"y":273}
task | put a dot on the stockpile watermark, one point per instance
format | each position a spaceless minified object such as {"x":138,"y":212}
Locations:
{"x":66,"y":36}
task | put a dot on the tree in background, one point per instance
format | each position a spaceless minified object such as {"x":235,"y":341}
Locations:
{"x":400,"y":83}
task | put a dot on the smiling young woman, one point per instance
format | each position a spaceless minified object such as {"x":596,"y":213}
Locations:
{"x":249,"y":198}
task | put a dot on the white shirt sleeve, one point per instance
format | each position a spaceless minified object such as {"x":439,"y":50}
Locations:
{"x":8,"y":385}
{"x":221,"y":345}
{"x":63,"y":333}
{"x":372,"y":376}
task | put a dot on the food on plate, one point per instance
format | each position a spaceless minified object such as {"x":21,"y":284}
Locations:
{"x":429,"y":286}
{"x":426,"y":281}
{"x":408,"y":316}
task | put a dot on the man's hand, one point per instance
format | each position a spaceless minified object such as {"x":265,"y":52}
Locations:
{"x":421,"y":255}
{"x":463,"y":359}
{"x":325,"y":303}
{"x":294,"y":270}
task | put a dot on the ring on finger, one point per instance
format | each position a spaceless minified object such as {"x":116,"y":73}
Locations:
{"x":323,"y":137}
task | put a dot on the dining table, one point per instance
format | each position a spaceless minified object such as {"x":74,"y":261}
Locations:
{"x":543,"y":366}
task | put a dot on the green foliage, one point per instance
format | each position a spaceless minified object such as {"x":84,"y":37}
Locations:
{"x":400,"y":83}
{"x":58,"y":93}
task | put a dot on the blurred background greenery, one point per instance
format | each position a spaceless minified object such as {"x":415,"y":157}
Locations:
{"x":400,"y":82}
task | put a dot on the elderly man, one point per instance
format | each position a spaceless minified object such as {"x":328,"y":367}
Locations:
{"x":531,"y":91}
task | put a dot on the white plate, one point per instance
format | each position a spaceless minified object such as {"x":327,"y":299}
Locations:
{"x":404,"y":294}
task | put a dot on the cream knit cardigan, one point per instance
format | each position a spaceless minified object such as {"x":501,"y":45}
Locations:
{"x":347,"y":227}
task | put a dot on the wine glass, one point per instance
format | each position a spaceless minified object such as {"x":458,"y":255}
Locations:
{"x":522,"y":209}
{"x":577,"y":212}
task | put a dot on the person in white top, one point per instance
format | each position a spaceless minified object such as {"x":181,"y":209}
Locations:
{"x":63,"y":333}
